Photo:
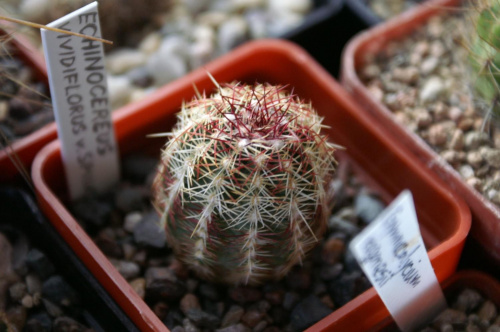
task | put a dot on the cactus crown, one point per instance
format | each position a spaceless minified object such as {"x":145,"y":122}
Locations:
{"x":484,"y":53}
{"x":244,"y":183}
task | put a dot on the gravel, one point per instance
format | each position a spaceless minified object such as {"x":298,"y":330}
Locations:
{"x":24,"y":105}
{"x":325,"y":281}
{"x":468,"y":311}
{"x":438,"y":105}
{"x":33,"y":296}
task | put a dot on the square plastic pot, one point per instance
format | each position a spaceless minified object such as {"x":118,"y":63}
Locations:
{"x":486,"y":215}
{"x":20,"y":216}
{"x":380,"y":162}
{"x":27,"y":147}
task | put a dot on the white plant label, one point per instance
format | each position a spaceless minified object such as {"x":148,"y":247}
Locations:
{"x":78,"y":86}
{"x":392,"y":254}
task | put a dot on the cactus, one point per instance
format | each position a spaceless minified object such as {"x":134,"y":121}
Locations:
{"x":484,"y":53}
{"x":244,"y":183}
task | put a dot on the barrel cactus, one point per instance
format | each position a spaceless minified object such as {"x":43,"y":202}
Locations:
{"x":484,"y":55}
{"x":244,"y":185}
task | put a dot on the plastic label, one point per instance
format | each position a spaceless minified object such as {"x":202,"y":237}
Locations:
{"x":78,"y":86}
{"x":392,"y":254}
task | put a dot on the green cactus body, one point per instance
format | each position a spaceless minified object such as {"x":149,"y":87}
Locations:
{"x":244,"y":186}
{"x":485,"y":56}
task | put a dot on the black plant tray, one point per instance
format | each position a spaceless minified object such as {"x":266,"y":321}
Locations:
{"x":19,"y":214}
{"x":364,"y":14}
{"x":325,"y":32}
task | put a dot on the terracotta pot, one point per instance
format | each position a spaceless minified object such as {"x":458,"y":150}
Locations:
{"x":21,"y":218}
{"x":27,"y":147}
{"x":486,"y":215}
{"x":381,"y":162}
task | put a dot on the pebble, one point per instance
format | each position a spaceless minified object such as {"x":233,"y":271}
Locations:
{"x":332,"y":251}
{"x":16,"y":316}
{"x":131,"y":198}
{"x":188,"y":302}
{"x":57,"y":290}
{"x":488,"y":311}
{"x":67,"y":324}
{"x":492,"y":157}
{"x":294,"y":6}
{"x":91,"y":211}
{"x":290,"y":300}
{"x":150,"y":43}
{"x":128,"y":270}
{"x":245,"y":294}
{"x":161,"y":282}
{"x":235,"y":328}
{"x":119,"y":87}
{"x":432,"y":89}
{"x":139,"y":286}
{"x":175,"y":49}
{"x":450,"y":316}
{"x":39,"y":322}
{"x":232,"y":316}
{"x":131,"y":220}
{"x":437,"y":135}
{"x":149,"y":232}
{"x":203,"y":319}
{"x":33,"y":284}
{"x":106,"y":241}
{"x":52,"y":309}
{"x":39,"y":263}
{"x":123,"y":60}
{"x":232,"y":33}
{"x":367,"y":207}
{"x":252,"y":317}
{"x":17,"y":291}
{"x":189,"y":326}
{"x":474,"y":159}
{"x":307,"y":312}
{"x":429,"y":65}
{"x":457,"y":140}
{"x":474,"y":139}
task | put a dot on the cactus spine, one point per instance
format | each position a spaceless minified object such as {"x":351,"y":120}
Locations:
{"x":244,"y":184}
{"x":484,"y":53}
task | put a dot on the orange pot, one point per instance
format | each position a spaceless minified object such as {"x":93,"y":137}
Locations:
{"x":486,"y":226}
{"x":380,"y":162}
{"x":27,"y":147}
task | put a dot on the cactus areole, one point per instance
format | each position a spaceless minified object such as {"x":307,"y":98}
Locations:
{"x":244,"y":183}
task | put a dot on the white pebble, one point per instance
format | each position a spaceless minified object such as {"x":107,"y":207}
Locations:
{"x":169,"y":62}
{"x":119,"y":91}
{"x":433,"y":88}
{"x":429,"y":65}
{"x":283,"y":22}
{"x":466,"y":171}
{"x":33,"y":10}
{"x":150,"y":43}
{"x":121,"y":61}
{"x":257,"y":23}
{"x":200,"y":53}
{"x":293,"y":6}
{"x":131,"y":220}
{"x":232,"y":33}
